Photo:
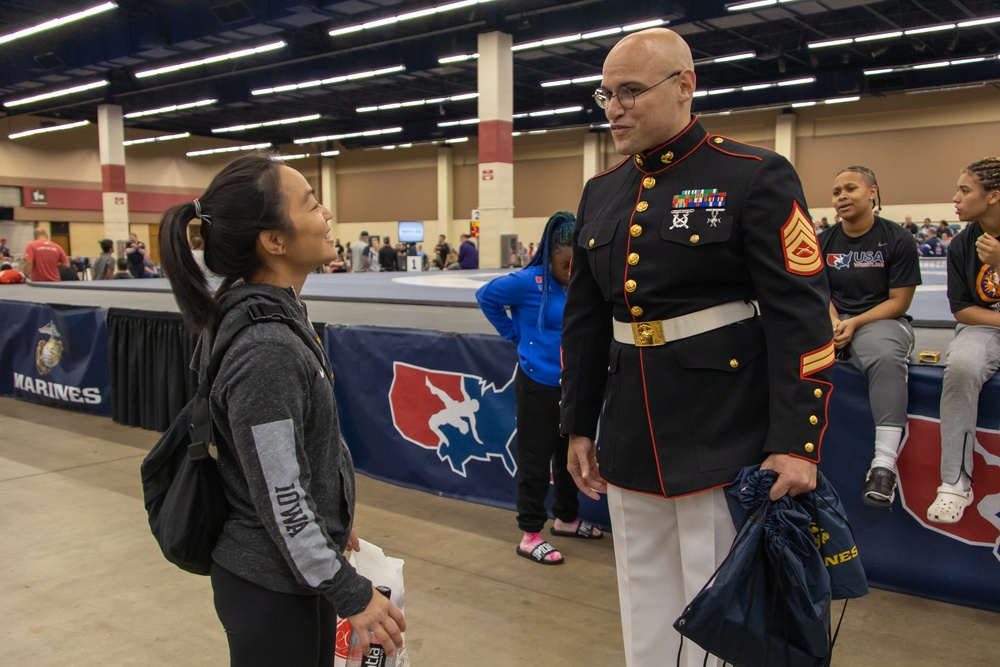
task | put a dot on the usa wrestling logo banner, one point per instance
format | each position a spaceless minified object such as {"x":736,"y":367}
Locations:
{"x":462,"y":417}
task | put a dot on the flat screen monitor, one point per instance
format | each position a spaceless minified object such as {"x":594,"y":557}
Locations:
{"x":411,"y":232}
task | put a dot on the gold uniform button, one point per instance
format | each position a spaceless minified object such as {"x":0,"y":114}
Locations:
{"x":718,"y":140}
{"x":591,"y":243}
{"x":637,"y":311}
{"x":695,"y":238}
{"x":813,"y":419}
{"x":633,"y":258}
{"x":642,"y":206}
{"x":818,"y":393}
{"x":648,"y":182}
{"x":809,"y":447}
{"x":609,"y":369}
{"x":635,"y":230}
{"x":733,"y":363}
{"x":630,"y":285}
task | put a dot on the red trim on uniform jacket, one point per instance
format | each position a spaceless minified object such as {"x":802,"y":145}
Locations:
{"x":687,"y":128}
{"x":614,"y":168}
{"x":714,"y":145}
{"x":649,"y":420}
{"x":811,"y":363}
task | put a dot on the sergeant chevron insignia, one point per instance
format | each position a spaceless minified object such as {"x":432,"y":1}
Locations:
{"x":801,"y":247}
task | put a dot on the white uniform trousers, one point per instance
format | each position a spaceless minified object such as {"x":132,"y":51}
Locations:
{"x":665,"y":551}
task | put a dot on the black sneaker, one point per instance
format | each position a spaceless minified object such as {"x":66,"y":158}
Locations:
{"x":880,"y":488}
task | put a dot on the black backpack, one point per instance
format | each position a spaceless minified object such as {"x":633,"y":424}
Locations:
{"x":181,"y":485}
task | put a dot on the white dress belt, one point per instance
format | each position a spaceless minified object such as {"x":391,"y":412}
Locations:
{"x":660,"y":332}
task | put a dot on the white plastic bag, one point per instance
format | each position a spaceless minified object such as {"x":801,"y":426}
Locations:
{"x":382,"y":570}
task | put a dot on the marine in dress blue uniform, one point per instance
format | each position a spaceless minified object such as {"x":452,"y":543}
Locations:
{"x":697,"y":222}
{"x":696,"y":332}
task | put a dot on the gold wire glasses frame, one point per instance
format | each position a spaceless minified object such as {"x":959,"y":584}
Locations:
{"x":625,"y":96}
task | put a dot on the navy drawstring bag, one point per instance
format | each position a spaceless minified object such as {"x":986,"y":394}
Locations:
{"x":768,"y":604}
{"x":831,"y":532}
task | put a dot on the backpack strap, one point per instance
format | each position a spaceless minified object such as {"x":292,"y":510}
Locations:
{"x":255,"y":313}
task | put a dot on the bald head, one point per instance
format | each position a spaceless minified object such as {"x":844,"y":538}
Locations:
{"x":41,"y":234}
{"x":656,"y":67}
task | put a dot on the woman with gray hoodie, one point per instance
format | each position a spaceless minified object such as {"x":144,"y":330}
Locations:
{"x":280,"y":576}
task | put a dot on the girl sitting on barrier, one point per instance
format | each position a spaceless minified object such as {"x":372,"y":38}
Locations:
{"x":279,"y":575}
{"x":536,"y":296}
{"x":873,"y":268}
{"x":974,"y":354}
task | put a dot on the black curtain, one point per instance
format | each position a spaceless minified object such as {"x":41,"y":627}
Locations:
{"x":150,"y":378}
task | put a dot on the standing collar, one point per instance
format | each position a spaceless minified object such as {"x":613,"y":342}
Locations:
{"x":673,"y":151}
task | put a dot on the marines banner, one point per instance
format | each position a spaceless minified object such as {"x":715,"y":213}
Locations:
{"x":899,"y":548}
{"x":55,"y":356}
{"x":432,"y":411}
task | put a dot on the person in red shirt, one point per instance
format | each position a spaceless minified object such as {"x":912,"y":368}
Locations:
{"x":43,"y":259}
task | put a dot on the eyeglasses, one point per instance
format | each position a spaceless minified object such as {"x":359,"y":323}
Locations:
{"x":625,"y":96}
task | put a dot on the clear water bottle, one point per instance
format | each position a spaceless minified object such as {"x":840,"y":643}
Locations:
{"x":377,"y":657}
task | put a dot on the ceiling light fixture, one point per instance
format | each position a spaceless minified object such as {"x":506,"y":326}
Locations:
{"x":454,"y":123}
{"x":911,"y":31}
{"x":286,"y":158}
{"x":228,"y":149}
{"x":349,"y":135}
{"x":55,"y":23}
{"x":417,"y":103}
{"x":329,"y":154}
{"x":457,"y":59}
{"x":703,"y":61}
{"x":577,"y":37}
{"x":270,"y":123}
{"x":150,"y":140}
{"x":55,"y":93}
{"x":548,"y":112}
{"x":44,"y":130}
{"x":931,"y":65}
{"x":326,"y":82}
{"x":232,"y":55}
{"x":419,"y":13}
{"x":756,"y":4}
{"x":170,"y":109}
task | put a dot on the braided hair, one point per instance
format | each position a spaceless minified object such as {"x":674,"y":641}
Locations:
{"x":987,"y":172}
{"x":558,"y":234}
{"x":870,"y":179}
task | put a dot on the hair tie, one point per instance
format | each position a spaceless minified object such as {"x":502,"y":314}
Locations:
{"x":198,"y":214}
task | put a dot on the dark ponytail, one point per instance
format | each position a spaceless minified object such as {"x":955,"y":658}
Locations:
{"x":243,"y":199}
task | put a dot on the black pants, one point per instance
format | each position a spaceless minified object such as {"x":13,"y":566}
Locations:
{"x":539,"y":448}
{"x":265,"y":628}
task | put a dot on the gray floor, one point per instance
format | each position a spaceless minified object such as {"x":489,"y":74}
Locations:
{"x":83,"y":583}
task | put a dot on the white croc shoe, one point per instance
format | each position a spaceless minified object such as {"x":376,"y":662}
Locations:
{"x":949,"y":505}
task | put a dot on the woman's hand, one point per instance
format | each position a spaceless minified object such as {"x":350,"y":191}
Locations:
{"x":381,"y":623}
{"x":988,"y":249}
{"x":843,"y":332}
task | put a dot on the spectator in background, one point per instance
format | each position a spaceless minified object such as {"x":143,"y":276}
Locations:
{"x":104,"y":265}
{"x":198,"y":250}
{"x":4,"y":250}
{"x":149,"y":269}
{"x":435,"y":265}
{"x":374,"y":265}
{"x":135,"y":253}
{"x":531,"y":251}
{"x":451,"y":262}
{"x":946,"y":237}
{"x":974,"y":353}
{"x":868,"y":304}
{"x":359,"y":253}
{"x":932,"y":246}
{"x":9,"y":275}
{"x":422,"y":255}
{"x":536,"y":296}
{"x":340,"y":248}
{"x":122,"y":273}
{"x":68,"y":274}
{"x":442,"y":250}
{"x":43,"y":259}
{"x":911,"y":226}
{"x":387,"y":255}
{"x":522,"y":255}
{"x":468,"y":253}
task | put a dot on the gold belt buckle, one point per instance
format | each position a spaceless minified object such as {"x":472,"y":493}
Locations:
{"x":648,"y":334}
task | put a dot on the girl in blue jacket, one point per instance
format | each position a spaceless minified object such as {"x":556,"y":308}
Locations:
{"x":535,"y":296}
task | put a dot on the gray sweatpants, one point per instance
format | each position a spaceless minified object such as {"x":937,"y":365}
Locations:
{"x":880,"y":350}
{"x":973,"y":358}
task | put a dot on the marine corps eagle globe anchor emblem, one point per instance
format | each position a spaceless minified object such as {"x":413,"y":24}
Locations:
{"x":48,"y":352}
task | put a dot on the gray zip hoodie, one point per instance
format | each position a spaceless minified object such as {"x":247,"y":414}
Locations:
{"x":287,"y":472}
